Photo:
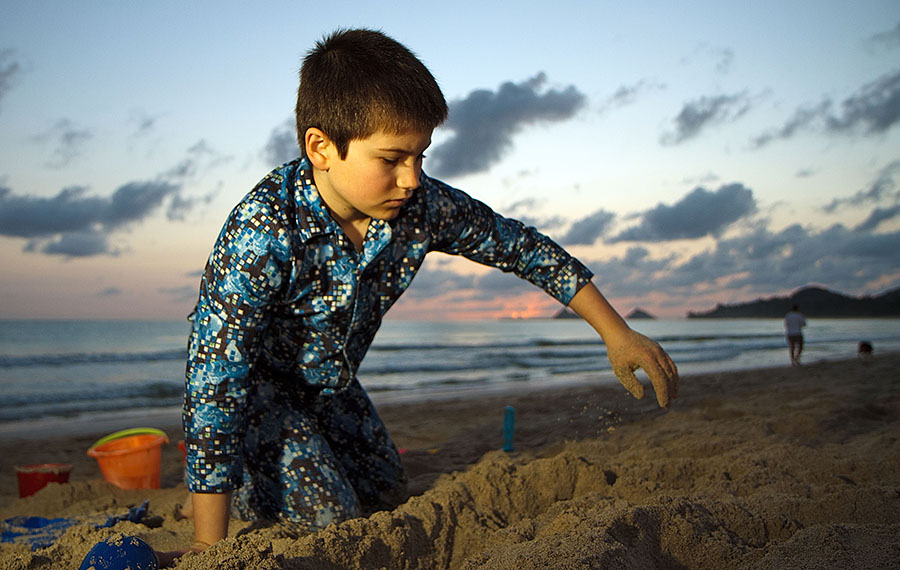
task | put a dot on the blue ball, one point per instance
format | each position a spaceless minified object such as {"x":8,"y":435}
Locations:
{"x":119,"y":552}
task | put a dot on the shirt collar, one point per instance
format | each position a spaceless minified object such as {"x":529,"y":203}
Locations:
{"x":313,"y":218}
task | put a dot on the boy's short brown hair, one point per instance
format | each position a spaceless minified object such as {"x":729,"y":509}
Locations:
{"x":356,"y":82}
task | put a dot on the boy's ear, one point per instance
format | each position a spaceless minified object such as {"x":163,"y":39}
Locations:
{"x":319,"y":148}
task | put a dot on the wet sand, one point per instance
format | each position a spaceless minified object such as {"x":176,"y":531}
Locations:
{"x":764,"y":469}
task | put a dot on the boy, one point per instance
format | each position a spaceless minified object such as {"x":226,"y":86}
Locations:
{"x":276,"y":423}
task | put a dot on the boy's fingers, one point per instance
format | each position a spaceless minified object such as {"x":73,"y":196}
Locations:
{"x":672,"y":372}
{"x":629,"y":380}
{"x":663,"y":374}
{"x":661,"y":384}
{"x":665,"y":383}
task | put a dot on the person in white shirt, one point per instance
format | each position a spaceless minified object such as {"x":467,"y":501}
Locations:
{"x":793,"y":327}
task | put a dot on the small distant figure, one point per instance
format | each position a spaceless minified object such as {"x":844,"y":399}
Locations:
{"x":794,"y":322}
{"x":865,"y":350}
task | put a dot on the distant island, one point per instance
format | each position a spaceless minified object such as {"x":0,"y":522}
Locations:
{"x":567,"y":313}
{"x":813,"y":302}
{"x":639,"y":313}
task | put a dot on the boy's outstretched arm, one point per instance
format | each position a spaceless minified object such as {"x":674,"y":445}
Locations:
{"x":627,"y":350}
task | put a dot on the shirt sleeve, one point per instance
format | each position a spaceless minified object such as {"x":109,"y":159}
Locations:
{"x":468,"y":227}
{"x":245,"y":272}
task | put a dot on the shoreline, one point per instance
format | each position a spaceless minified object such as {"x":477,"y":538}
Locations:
{"x":168,"y":418}
{"x":764,"y":468}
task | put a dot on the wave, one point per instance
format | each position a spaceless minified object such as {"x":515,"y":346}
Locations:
{"x":555,"y":346}
{"x":90,"y":358}
{"x":156,"y":390}
{"x":492,"y":344}
{"x":123,"y":369}
{"x":86,"y":399}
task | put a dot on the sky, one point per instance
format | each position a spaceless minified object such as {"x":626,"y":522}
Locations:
{"x":688,"y":153}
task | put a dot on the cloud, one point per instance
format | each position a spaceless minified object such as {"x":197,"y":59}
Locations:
{"x":484,"y":123}
{"x":886,"y":40}
{"x":885,"y":188}
{"x":723,"y":58}
{"x":75,"y":224}
{"x":143,"y":123}
{"x":9,"y":72}
{"x":200,"y":156}
{"x":760,"y":261}
{"x":86,"y":243}
{"x":134,"y":201}
{"x":523,"y":211}
{"x":498,"y":284}
{"x":708,"y":178}
{"x":877,"y":216}
{"x":282,"y":145}
{"x":432,"y":281}
{"x":701,"y":113}
{"x":700,"y":213}
{"x":587,"y":230}
{"x":71,"y":210}
{"x":180,"y":206}
{"x":27,"y":216}
{"x":628,"y":94}
{"x":873,"y":109}
{"x":183,"y":293}
{"x":110,"y":292}
{"x":68,"y":141}
{"x":801,"y":119}
{"x":635,"y":273}
{"x":765,"y":261}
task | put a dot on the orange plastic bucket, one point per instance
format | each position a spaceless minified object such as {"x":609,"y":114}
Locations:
{"x":34,"y":477}
{"x":130,"y":462}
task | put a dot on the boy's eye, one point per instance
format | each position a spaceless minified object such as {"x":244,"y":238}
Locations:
{"x":395,"y":161}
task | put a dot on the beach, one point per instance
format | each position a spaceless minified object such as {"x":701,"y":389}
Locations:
{"x":770,"y":468}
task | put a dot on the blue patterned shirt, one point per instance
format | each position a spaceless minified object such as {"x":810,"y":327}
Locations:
{"x":286,"y":298}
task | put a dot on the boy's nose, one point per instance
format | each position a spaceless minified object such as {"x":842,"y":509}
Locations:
{"x":408,"y":178}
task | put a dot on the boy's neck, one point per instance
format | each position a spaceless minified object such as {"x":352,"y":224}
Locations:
{"x":355,"y":230}
{"x":353,"y":224}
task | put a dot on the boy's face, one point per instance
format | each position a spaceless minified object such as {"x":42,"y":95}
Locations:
{"x":376,"y":178}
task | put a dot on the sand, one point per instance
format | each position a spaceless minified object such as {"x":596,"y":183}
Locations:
{"x":765,"y":469}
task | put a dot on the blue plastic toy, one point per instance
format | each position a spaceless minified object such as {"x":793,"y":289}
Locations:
{"x":509,"y":428}
{"x":120,"y":552}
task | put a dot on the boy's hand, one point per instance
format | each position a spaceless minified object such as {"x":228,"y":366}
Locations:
{"x":631,"y":350}
{"x":167,"y":559}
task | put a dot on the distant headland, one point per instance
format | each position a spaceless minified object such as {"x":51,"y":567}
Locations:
{"x":813,"y":302}
{"x":567,"y":313}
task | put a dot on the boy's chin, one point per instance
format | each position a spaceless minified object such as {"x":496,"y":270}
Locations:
{"x":388,"y":214}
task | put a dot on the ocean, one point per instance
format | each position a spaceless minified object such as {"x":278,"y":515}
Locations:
{"x":58,"y":371}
